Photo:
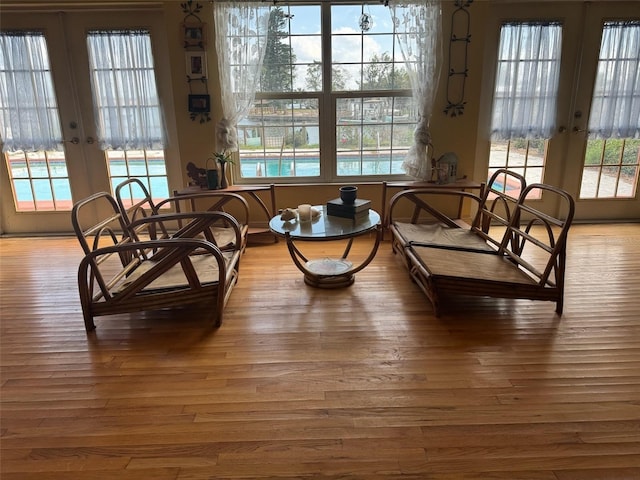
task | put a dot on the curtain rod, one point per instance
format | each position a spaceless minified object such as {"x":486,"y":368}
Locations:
{"x":275,"y":2}
{"x":85,"y":5}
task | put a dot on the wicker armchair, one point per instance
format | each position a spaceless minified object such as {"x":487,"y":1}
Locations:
{"x":122,"y":271}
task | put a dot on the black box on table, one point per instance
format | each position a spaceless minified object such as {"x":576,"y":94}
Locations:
{"x":357,"y":210}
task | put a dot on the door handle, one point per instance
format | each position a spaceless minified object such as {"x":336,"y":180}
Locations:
{"x":91,"y":140}
{"x":578,"y":130}
{"x":74,"y":140}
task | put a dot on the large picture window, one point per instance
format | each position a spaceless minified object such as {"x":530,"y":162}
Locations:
{"x":334,"y":99}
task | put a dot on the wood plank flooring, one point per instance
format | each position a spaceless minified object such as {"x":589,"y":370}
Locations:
{"x":356,"y":383}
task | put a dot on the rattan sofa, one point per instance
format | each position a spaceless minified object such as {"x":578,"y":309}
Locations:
{"x":509,"y":249}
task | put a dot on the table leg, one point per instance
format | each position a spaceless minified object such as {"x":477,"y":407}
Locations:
{"x":264,"y":207}
{"x":328,"y":272}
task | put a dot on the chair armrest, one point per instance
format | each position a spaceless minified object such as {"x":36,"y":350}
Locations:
{"x":215,"y":201}
{"x":169,"y":253}
{"x":187,"y":225}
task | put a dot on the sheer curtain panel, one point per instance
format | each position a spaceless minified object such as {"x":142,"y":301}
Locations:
{"x":125,"y":95}
{"x":615,"y":110}
{"x":241,"y":39}
{"x":524,"y":103}
{"x":417,"y":25}
{"x":29,"y":119}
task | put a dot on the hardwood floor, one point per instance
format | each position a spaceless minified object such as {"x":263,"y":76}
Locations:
{"x":356,"y":383}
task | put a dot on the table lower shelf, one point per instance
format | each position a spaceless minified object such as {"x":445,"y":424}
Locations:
{"x":329,"y":266}
{"x":328,"y":273}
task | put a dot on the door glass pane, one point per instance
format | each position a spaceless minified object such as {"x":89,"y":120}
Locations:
{"x":30,"y":125}
{"x":128,"y":107}
{"x":525,"y":157}
{"x":146,"y":165}
{"x":524,"y":105}
{"x":610,"y":168}
{"x":46,"y":182}
{"x":612,"y":155}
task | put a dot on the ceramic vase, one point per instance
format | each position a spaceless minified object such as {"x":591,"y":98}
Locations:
{"x":348,"y":194}
{"x":223,"y":175}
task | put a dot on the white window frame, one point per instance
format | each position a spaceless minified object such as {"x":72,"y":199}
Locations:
{"x":327,"y":118}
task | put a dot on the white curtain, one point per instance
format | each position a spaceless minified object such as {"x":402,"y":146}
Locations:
{"x":524,"y":103}
{"x":615,"y":110}
{"x":241,"y":38}
{"x":29,"y":119}
{"x":417,"y":26}
{"x":125,"y":95}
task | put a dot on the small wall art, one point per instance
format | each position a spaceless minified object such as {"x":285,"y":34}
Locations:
{"x":194,"y":35}
{"x":196,"y":65}
{"x":199,"y":103}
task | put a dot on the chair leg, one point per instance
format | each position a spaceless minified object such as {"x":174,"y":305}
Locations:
{"x":88,"y":320}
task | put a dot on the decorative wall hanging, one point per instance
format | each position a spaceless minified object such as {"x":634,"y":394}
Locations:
{"x":199,"y":106}
{"x":196,"y":65}
{"x":194,"y":40}
{"x":365,"y":22}
{"x":199,"y":103}
{"x":194,"y":35}
{"x":193,"y":29}
{"x":458,"y":56}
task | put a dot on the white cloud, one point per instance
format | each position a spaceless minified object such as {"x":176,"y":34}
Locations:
{"x":307,"y":48}
{"x":347,"y":48}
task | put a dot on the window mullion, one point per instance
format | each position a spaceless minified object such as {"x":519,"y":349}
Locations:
{"x":327,"y":101}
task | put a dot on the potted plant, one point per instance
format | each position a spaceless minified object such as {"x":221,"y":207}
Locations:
{"x":222,"y":158}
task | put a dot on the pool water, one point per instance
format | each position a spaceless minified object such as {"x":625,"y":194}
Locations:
{"x":57,"y":190}
{"x":255,"y":167}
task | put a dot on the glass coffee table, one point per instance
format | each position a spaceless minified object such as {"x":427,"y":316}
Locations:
{"x":328,"y":272}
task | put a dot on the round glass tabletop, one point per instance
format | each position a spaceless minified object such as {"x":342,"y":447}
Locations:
{"x":325,"y":227}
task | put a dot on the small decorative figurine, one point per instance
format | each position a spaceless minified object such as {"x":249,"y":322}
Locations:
{"x":197,"y":175}
{"x":288,"y":214}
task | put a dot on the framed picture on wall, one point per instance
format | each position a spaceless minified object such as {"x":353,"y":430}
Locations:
{"x":199,"y":103}
{"x":196,"y":65}
{"x":194,"y":35}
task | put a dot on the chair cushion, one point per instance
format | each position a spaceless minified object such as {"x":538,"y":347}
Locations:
{"x":205,"y":266}
{"x":471,"y":266}
{"x":225,"y":237}
{"x":438,"y":234}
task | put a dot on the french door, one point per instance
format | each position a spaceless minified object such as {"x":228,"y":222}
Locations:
{"x":601,"y":175}
{"x":82,"y":164}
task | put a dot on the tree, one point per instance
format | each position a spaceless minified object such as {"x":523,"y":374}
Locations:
{"x":338,"y":78}
{"x":313,"y":80}
{"x":278,"y":68}
{"x":380,"y":74}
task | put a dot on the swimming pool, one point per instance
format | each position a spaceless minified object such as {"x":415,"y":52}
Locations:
{"x":49,"y":187}
{"x":304,"y":166}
